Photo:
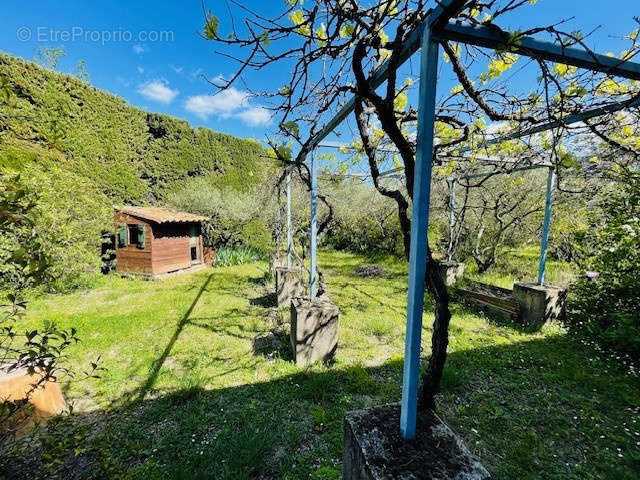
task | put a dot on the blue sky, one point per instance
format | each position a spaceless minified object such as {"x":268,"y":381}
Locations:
{"x":152,"y":54}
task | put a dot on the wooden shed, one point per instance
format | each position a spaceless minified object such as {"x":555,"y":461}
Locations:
{"x":153,"y":241}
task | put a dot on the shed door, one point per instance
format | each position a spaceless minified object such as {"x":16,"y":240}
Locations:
{"x":194,"y":245}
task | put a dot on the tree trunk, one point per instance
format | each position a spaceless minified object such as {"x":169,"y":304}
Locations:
{"x":431,"y":377}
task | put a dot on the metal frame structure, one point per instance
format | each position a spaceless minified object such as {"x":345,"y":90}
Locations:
{"x":313,"y":244}
{"x":546,"y":224}
{"x":289,"y":233}
{"x":437,"y":27}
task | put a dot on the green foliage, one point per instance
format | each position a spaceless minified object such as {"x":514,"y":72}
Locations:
{"x":25,"y":264}
{"x":85,"y":150}
{"x":607,"y":309}
{"x":23,"y":260}
{"x":231,"y":256}
{"x":235,"y":217}
{"x":364,"y":221}
{"x":211,"y":27}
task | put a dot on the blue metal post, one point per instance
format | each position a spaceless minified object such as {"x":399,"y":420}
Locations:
{"x":546,"y":226}
{"x":452,"y":216}
{"x":289,"y":219}
{"x":419,"y":228}
{"x":313,"y":277}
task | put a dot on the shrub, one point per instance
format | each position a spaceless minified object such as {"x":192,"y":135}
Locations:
{"x":364,"y":220}
{"x":607,"y":309}
{"x":230,"y":256}
{"x":236,"y":217}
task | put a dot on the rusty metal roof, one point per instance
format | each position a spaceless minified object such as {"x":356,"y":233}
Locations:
{"x":161,"y":215}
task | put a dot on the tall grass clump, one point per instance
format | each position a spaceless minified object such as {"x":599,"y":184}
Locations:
{"x":230,"y":256}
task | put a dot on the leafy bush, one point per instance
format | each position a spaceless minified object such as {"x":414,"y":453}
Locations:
{"x":235,"y":217}
{"x":364,"y":221}
{"x":25,"y":265}
{"x":607,"y":308}
{"x":230,"y":256}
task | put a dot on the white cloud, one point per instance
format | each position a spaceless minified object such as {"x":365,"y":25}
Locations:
{"x":158,"y":90}
{"x":229,"y":103}
{"x":140,"y":70}
{"x":255,"y":116}
{"x":219,"y":80}
{"x":176,"y":69}
{"x":139,"y":49}
{"x":224,"y":103}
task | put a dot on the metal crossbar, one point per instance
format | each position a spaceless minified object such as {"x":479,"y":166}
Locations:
{"x":568,"y":120}
{"x":483,"y":36}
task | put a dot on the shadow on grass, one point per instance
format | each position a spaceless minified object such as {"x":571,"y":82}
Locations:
{"x":267,"y":300}
{"x":273,"y":344}
{"x":519,"y":406}
{"x":157,"y":364}
{"x":202,"y":322}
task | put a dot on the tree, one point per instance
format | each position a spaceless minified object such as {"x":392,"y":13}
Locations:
{"x":333,"y":49}
{"x":49,"y":57}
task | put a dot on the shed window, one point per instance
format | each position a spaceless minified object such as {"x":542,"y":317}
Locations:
{"x":136,"y":235}
{"x":122,"y":236}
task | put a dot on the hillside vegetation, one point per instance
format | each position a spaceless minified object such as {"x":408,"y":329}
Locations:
{"x":80,"y":150}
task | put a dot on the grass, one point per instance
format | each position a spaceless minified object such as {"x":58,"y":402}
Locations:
{"x":521,"y":265}
{"x":199,"y":384}
{"x":231,"y":256}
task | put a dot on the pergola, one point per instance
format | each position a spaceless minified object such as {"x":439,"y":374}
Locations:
{"x":546,"y":224}
{"x":436,"y":28}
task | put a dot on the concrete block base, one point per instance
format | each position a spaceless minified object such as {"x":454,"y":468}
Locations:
{"x":375,"y":450}
{"x":539,"y":303}
{"x":451,"y":272}
{"x":289,"y":284}
{"x":314,"y":330}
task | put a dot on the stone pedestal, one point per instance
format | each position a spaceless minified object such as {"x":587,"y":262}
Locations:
{"x":539,"y":303}
{"x":451,"y":272}
{"x":314,"y":330}
{"x":375,"y":450}
{"x":277,"y":260}
{"x":289,"y":284}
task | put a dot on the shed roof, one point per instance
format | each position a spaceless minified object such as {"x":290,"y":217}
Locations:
{"x":161,"y":215}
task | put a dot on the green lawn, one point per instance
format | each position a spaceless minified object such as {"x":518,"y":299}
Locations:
{"x":199,"y":384}
{"x":521,"y":265}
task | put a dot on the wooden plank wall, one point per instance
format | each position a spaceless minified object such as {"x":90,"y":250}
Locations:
{"x":171,"y":250}
{"x":132,"y":259}
{"x":166,"y":248}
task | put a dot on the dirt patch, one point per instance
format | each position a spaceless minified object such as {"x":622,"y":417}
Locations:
{"x":436,"y":454}
{"x":370,"y":271}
